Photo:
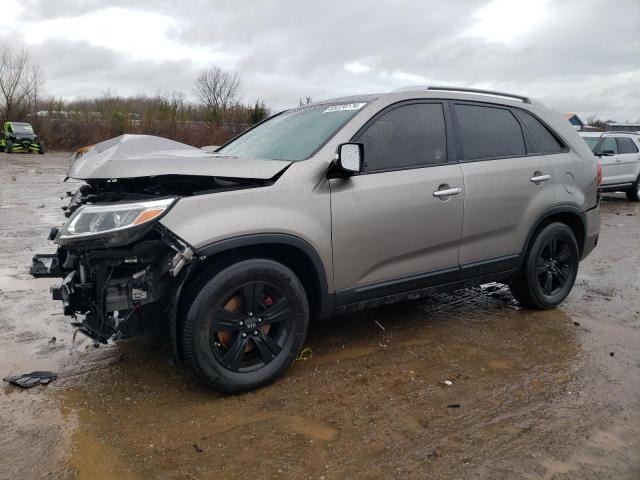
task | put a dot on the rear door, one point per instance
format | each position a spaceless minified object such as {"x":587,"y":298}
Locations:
{"x":506,"y":187}
{"x":626,"y":162}
{"x":390,"y":232}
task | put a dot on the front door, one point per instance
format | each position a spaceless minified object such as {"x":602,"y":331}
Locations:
{"x":396,"y":227}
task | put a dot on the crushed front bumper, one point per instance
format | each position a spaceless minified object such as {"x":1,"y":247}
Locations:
{"x":116,"y":291}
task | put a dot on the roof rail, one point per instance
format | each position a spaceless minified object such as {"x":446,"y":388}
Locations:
{"x":482,"y":92}
{"x":464,"y":90}
{"x":618,"y":132}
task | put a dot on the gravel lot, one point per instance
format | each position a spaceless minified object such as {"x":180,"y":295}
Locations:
{"x":540,"y":395}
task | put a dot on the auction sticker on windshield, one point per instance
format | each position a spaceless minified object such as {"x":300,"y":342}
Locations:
{"x":344,"y":107}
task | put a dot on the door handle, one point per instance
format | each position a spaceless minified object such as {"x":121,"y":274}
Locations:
{"x":447,"y":192}
{"x":537,"y":177}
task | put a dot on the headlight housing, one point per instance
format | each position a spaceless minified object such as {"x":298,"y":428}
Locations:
{"x":113,"y":224}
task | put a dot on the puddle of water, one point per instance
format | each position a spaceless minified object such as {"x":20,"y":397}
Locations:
{"x":12,"y":284}
{"x":9,"y":282}
{"x":500,"y":364}
{"x":312,"y":428}
{"x":380,"y":401}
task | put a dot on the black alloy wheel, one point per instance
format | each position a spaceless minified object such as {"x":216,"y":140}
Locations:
{"x":250,"y":326}
{"x":549,"y":269}
{"x":244,"y":324}
{"x":554,"y":266}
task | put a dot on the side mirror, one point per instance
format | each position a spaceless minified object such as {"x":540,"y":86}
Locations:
{"x":349,"y":161}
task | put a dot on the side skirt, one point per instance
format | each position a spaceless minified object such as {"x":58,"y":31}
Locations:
{"x":425,"y":292}
{"x":499,"y":269}
{"x":616,"y":187}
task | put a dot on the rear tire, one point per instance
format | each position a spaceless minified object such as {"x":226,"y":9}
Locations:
{"x":245,"y":325}
{"x":633,"y":194}
{"x":549,"y":269}
{"x":41,"y":148}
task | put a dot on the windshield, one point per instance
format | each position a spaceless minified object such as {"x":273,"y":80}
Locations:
{"x":21,"y":128}
{"x":295,"y":134}
{"x":592,"y":142}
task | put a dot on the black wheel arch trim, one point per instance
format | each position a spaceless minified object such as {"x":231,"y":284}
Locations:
{"x":259,"y":239}
{"x":546,"y":215}
{"x":327,"y":300}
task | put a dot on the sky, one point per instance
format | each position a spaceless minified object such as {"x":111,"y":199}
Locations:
{"x":579,"y":56}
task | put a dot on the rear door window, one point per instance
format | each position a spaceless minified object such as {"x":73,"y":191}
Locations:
{"x":609,"y":145}
{"x":626,"y":145}
{"x":540,"y":140}
{"x":407,"y":136}
{"x":489,"y":132}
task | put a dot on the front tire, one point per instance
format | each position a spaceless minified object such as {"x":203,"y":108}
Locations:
{"x":549,"y":269}
{"x":9,"y":147}
{"x":245,"y":325}
{"x":633,"y":194}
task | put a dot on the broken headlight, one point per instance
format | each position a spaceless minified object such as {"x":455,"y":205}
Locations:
{"x":113,"y":224}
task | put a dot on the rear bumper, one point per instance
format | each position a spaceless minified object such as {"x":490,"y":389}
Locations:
{"x":592,"y":230}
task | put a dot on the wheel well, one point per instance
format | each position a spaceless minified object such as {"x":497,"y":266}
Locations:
{"x":290,"y":256}
{"x":572,"y":220}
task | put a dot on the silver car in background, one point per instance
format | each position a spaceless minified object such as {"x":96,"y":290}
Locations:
{"x":619,"y":154}
{"x":337,"y":206}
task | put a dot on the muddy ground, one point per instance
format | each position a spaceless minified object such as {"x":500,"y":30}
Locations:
{"x":540,"y":395}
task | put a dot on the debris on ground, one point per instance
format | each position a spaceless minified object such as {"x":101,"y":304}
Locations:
{"x":28,"y":380}
{"x":454,"y":405}
{"x":448,"y":383}
{"x":305,"y":354}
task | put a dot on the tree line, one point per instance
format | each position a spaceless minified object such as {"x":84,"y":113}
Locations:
{"x":69,"y":124}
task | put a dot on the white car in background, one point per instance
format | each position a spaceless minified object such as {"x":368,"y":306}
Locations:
{"x":619,"y":153}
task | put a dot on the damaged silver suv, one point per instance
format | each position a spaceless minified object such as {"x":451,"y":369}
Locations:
{"x":328,"y":208}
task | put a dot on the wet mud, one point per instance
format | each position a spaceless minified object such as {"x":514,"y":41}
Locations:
{"x":462,"y":385}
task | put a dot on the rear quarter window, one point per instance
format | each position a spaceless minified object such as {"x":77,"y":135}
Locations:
{"x":540,"y":139}
{"x":489,"y":132}
{"x":626,"y":145}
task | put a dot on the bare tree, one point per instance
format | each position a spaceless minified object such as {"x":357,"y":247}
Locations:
{"x":20,"y":80}
{"x":217,"y":88}
{"x":307,"y":101}
{"x":37,"y":80}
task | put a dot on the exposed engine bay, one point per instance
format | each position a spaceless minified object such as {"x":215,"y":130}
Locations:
{"x":120,"y":266}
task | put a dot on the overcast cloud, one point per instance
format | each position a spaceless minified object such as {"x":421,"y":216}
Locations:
{"x":575,"y":55}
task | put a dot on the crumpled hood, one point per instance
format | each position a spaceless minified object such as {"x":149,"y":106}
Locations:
{"x":133,"y":156}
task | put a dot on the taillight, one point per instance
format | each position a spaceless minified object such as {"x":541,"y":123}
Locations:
{"x":599,"y":172}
